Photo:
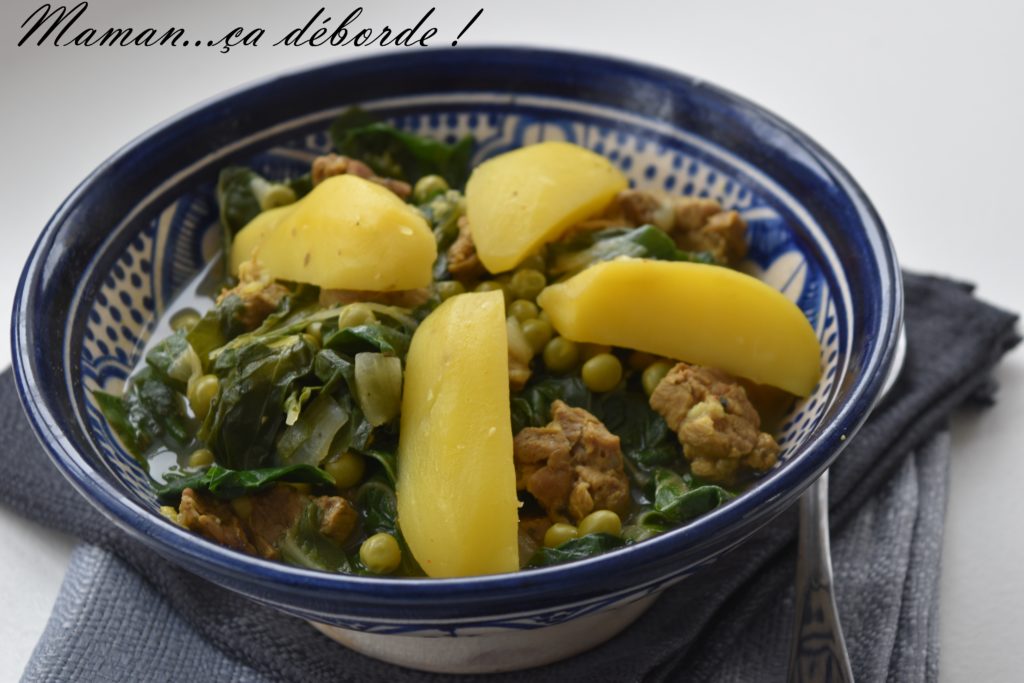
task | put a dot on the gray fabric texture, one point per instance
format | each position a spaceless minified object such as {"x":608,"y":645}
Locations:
{"x":125,"y":614}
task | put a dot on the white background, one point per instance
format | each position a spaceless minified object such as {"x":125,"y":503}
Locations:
{"x":922,"y":101}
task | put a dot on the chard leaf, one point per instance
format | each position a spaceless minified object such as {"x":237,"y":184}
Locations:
{"x":370,"y":337}
{"x":218,"y":325}
{"x":333,"y":370}
{"x":378,"y":506}
{"x":256,"y":381}
{"x":531,"y":407}
{"x":174,"y":361}
{"x":148,"y":412}
{"x":576,"y":549}
{"x":225,"y":483}
{"x":388,"y":462}
{"x":443,"y":213}
{"x":392,"y":153}
{"x":305,"y":546}
{"x":588,"y":248}
{"x":308,"y":441}
{"x":676,"y":501}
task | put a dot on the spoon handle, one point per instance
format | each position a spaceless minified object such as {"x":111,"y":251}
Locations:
{"x":818,"y":652}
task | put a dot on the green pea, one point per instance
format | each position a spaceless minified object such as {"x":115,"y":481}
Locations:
{"x":601,"y":522}
{"x":527,"y":284}
{"x":380,"y":553}
{"x":533,"y":262}
{"x":523,"y":310}
{"x":557,"y":534}
{"x":316,"y":331}
{"x":201,"y":457}
{"x":446,"y":289}
{"x":561,"y":355}
{"x":602,"y":372}
{"x":200,"y":394}
{"x":538,"y":333}
{"x":347,"y":470}
{"x":493,"y":286}
{"x":428,"y":187}
{"x":184,"y":319}
{"x":355,"y":314}
{"x":653,"y":375}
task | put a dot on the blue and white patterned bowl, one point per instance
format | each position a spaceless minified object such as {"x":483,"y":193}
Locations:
{"x":118,"y":249}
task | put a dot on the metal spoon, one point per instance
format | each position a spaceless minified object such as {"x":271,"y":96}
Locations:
{"x":818,"y":650}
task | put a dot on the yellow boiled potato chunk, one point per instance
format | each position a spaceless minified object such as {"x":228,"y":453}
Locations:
{"x":250,"y":237}
{"x":347,"y":233}
{"x":456,"y":490}
{"x":519,"y":200}
{"x":701,"y":314}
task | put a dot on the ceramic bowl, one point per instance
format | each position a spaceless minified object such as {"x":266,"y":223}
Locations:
{"x":117,"y":250}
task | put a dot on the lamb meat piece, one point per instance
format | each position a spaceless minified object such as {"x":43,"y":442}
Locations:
{"x":337,"y":518}
{"x":330,"y":165}
{"x":213,"y":519}
{"x":719,"y":428}
{"x":463,"y":262}
{"x":273,"y":513}
{"x":572,"y":466}
{"x":260,"y":295}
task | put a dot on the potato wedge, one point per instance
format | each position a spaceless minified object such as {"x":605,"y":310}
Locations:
{"x":347,"y":233}
{"x":519,"y":200}
{"x":698,"y":313}
{"x":457,"y":504}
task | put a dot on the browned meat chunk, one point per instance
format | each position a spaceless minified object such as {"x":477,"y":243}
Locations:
{"x":273,"y":513}
{"x":403,"y":298}
{"x":718,"y":427}
{"x":256,"y":524}
{"x":337,"y":518}
{"x":695,"y":223}
{"x":331,"y":165}
{"x":260,"y":295}
{"x":213,"y":519}
{"x":572,"y":466}
{"x":463,"y":263}
{"x":724,"y":235}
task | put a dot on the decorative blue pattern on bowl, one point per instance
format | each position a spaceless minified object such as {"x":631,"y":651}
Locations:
{"x":813,"y":236}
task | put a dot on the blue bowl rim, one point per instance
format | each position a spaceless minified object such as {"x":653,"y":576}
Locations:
{"x":755,"y":508}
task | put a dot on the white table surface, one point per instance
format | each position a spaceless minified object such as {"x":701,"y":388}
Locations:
{"x":922,"y":101}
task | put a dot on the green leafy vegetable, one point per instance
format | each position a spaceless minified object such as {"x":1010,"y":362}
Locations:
{"x":588,"y":248}
{"x":308,"y":441}
{"x":333,"y":370}
{"x":242,"y":193}
{"x":218,"y":325}
{"x":388,"y":462}
{"x":148,"y":412}
{"x":305,"y":546}
{"x":678,"y":502}
{"x":370,"y":337}
{"x":378,"y":386}
{"x":225,"y":483}
{"x":395,"y":154}
{"x":256,"y":381}
{"x":531,"y":407}
{"x":443,"y":213}
{"x":174,"y":361}
{"x":576,"y":549}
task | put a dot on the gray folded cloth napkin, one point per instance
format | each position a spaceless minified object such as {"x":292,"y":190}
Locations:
{"x":124,"y":613}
